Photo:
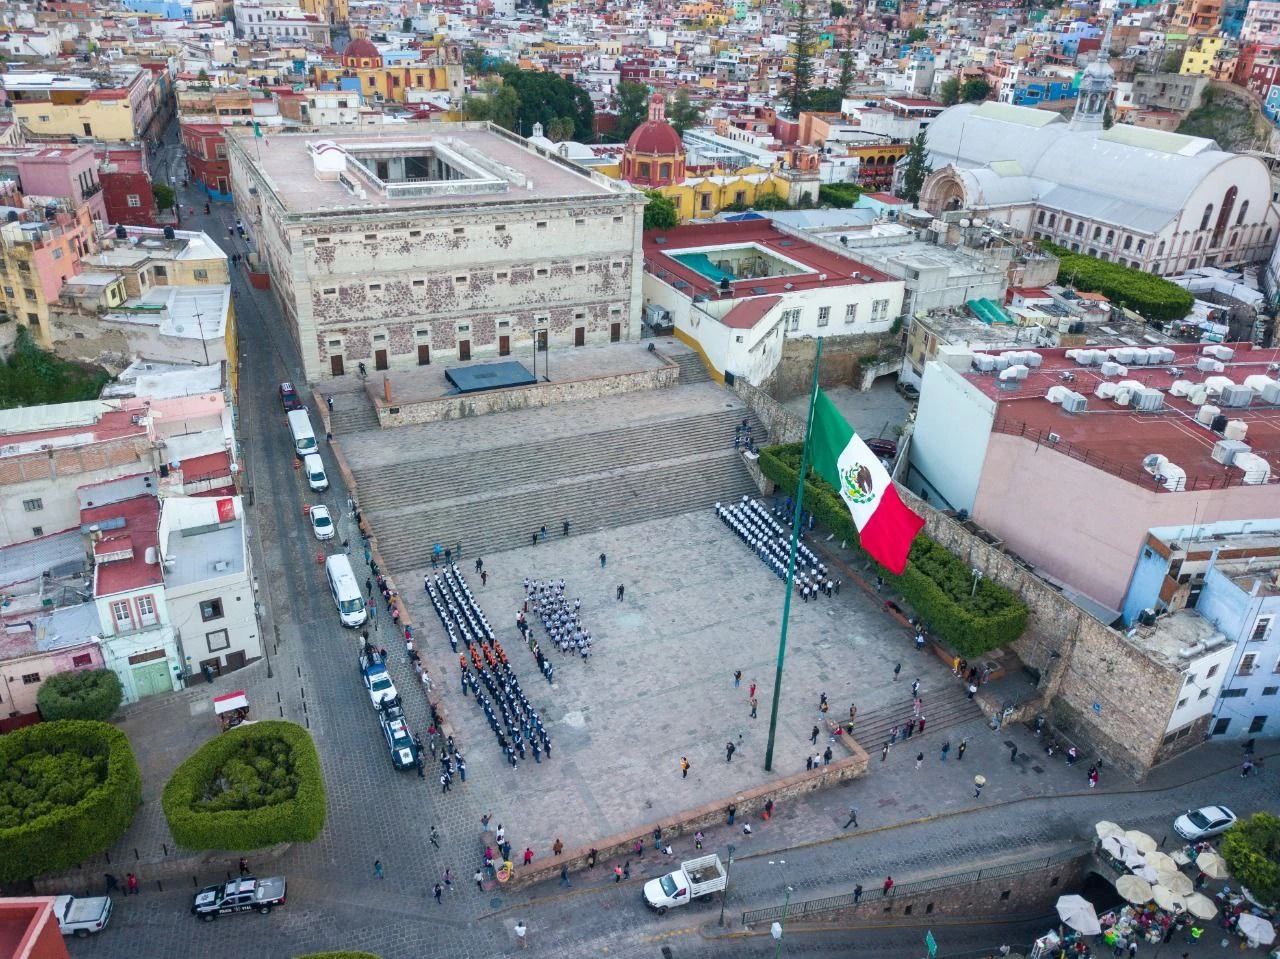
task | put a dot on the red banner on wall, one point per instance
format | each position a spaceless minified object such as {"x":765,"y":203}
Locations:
{"x":226,"y":510}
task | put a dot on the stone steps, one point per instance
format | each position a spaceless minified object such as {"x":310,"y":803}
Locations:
{"x":354,"y":418}
{"x":692,"y":369}
{"x":943,"y":708}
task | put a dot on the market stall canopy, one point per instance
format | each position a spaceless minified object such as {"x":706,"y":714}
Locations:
{"x":1105,"y":828}
{"x":1161,"y":862}
{"x":1078,"y":913}
{"x":1147,"y":872}
{"x":1200,"y":906}
{"x":1176,"y":881}
{"x":1212,"y":865}
{"x":1141,"y":841}
{"x":1120,"y":847}
{"x":1134,"y":889}
{"x":1167,"y":899}
{"x":229,"y":701}
{"x":1254,"y":928}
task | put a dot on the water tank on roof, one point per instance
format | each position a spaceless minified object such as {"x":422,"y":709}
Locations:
{"x":1106,"y":390}
{"x":1236,"y":430}
{"x":1140,"y":356}
{"x":1001,"y":362}
{"x":1123,"y":394}
{"x":984,"y":362}
{"x":1271,"y":393}
{"x":1257,"y":382}
{"x":1181,"y":388}
{"x":1219,"y":352}
{"x":121,"y":232}
{"x":1032,"y":359}
{"x":1057,"y":394}
{"x":168,"y":233}
{"x":1153,"y":463}
{"x":1219,"y":424}
{"x":1123,"y":354}
{"x":1174,"y":478}
{"x":1207,"y":414}
{"x":1198,"y":395}
{"x":1236,"y":396}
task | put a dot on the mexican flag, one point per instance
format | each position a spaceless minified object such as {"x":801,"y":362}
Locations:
{"x":886,"y":526}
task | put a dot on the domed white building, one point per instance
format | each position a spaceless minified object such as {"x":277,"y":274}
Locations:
{"x":1161,"y":202}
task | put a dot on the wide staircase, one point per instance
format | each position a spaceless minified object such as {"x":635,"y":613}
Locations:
{"x":942,"y":707}
{"x":692,"y":369}
{"x":494,"y":499}
{"x":353,"y":412}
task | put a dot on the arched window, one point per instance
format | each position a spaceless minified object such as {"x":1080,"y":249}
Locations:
{"x":1235,"y":238}
{"x":1208,"y":215}
{"x":1066,"y":225}
{"x":1080,"y":228}
{"x":1244,"y":209}
{"x":1053,"y":220}
{"x":1199,"y":242}
{"x":1128,"y":243}
{"x":1111,"y":236}
{"x":664,"y":171}
{"x":1267,"y":236}
{"x":1142,"y":245}
{"x":1040,"y":218}
{"x":1097,"y":232}
{"x":644,"y":171}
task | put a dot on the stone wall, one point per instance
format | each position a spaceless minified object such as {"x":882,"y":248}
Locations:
{"x":1106,"y":694}
{"x":783,"y":425}
{"x":840,"y":355}
{"x":521,"y":397}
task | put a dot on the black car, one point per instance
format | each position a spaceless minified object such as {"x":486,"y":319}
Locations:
{"x":289,"y":398}
{"x":883,"y":448}
{"x":907,"y":390}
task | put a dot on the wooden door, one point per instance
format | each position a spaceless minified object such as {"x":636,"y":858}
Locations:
{"x":579,"y":335}
{"x":335,"y":365}
{"x":464,"y":349}
{"x":615,"y":332}
{"x":424,"y":355}
{"x":236,"y":660}
{"x":504,"y":345}
{"x":379,"y":359}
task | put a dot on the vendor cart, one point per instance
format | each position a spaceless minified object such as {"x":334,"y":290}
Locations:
{"x":231,"y":709}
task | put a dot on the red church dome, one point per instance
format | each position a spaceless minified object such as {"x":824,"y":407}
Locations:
{"x":655,"y":154}
{"x":359,"y":50}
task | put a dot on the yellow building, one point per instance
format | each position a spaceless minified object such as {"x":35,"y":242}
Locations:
{"x":39,"y":256}
{"x":101,"y":114}
{"x":334,"y":11}
{"x":438,"y":69}
{"x":1199,"y":58}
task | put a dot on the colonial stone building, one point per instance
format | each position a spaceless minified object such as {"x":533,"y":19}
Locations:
{"x":428,"y":242}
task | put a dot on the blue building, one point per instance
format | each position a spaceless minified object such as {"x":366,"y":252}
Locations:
{"x":1032,"y":91}
{"x":168,"y":9}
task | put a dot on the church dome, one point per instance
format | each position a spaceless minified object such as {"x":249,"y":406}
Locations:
{"x":358,"y":50}
{"x":1099,"y":69}
{"x":655,"y":135}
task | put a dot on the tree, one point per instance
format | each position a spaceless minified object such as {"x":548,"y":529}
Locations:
{"x":32,"y":377}
{"x":838,"y":9}
{"x":770,"y":201}
{"x":949,"y":91}
{"x":474,"y":60}
{"x":497,"y":103}
{"x":839,"y":195}
{"x":83,"y":694}
{"x":202,"y":79}
{"x":68,"y":791}
{"x":682,"y":114}
{"x":1252,"y":850}
{"x":544,"y":96}
{"x":824,"y":100}
{"x":406,"y":26}
{"x":917,"y":35}
{"x":802,"y":68}
{"x":975,"y":90}
{"x":916,"y":169}
{"x":561,"y":129}
{"x":846,"y":71}
{"x":165,"y":196}
{"x":659,"y":212}
{"x":255,"y":785}
{"x":632,"y":100}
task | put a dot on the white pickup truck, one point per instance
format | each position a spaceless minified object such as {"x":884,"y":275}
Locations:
{"x":82,"y":916}
{"x":695,"y":879}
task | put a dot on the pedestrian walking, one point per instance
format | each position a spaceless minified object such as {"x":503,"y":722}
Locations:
{"x":919,"y":760}
{"x":728,"y":752}
{"x":884,"y":752}
{"x":564,"y":876}
{"x":737,"y":678}
{"x":751,"y":691}
{"x":964,"y":744}
{"x":768,"y":809}
{"x":557,"y":847}
{"x":438,"y":892}
{"x":444,"y":783}
{"x":638,"y":847}
{"x":479,"y":564}
{"x":448,"y":878}
{"x":684,"y":767}
{"x":484,"y":821}
{"x":946,"y":748}
{"x":978,"y":783}
{"x":813,"y":736}
{"x":528,"y":855}
{"x":888,"y":885}
{"x":602,"y":555}
{"x":1013,"y":754}
{"x":621,"y":589}
{"x":853,"y":818}
{"x":897,"y":670}
{"x":479,"y":878}
{"x":857,"y":893}
{"x":377,"y":869}
{"x":329,"y":402}
{"x":732,"y":812}
{"x":922,"y":723}
{"x":244,"y":866}
{"x":617,"y":874}
{"x":754,"y":703}
{"x":826,"y":756}
{"x":521,"y":931}
{"x":626,"y":869}
{"x":915,"y":689}
{"x":972,"y":691}
{"x":566,"y":527}
{"x":1245,"y":769}
{"x":697,"y":839}
{"x":1093,"y":776}
{"x":131,"y":887}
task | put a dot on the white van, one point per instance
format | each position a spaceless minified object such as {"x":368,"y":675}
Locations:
{"x":313,"y":466}
{"x":346,"y":591}
{"x":304,"y":437}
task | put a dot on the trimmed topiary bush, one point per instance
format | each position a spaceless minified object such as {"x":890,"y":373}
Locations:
{"x":936,"y":583}
{"x":83,"y":694}
{"x":68,"y":790}
{"x":254,"y":786}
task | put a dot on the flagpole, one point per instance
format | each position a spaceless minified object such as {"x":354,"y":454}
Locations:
{"x":791,"y":561}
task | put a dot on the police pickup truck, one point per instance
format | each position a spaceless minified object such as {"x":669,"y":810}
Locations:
{"x":373,"y":670}
{"x":238,"y":895}
{"x":404,"y":753}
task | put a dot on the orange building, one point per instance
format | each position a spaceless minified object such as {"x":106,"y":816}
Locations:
{"x":437,"y":68}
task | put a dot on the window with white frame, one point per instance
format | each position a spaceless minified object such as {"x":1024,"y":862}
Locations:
{"x":121,"y":616}
{"x":134,"y":200}
{"x":791,"y":319}
{"x":851,"y":313}
{"x":1260,"y":629}
{"x":824,"y":315}
{"x":32,"y":505}
{"x":147,"y":611}
{"x":879,"y":310}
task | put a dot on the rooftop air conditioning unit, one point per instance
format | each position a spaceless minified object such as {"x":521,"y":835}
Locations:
{"x":1074,"y":403}
{"x":1224,"y":451}
{"x":1236,"y":396}
{"x":1147,"y":400}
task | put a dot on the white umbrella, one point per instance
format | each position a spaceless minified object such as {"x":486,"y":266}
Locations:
{"x":1141,"y":841}
{"x":1257,"y":930}
{"x":1134,"y":889}
{"x":1176,"y":881}
{"x":1212,"y":865}
{"x":1105,"y":828}
{"x":1078,"y":913}
{"x":1166,"y":899}
{"x":1147,"y":872}
{"x":1161,"y":862}
{"x":1118,"y":846}
{"x":1200,"y":906}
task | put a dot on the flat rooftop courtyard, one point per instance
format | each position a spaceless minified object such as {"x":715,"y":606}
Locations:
{"x":659,"y":684}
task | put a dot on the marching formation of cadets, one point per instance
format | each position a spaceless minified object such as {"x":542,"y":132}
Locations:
{"x":457,"y":608}
{"x":756,"y":526}
{"x":562,"y":622}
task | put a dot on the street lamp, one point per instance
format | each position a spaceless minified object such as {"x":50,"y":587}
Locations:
{"x":776,"y":929}
{"x":724,"y":893}
{"x":977,"y":578}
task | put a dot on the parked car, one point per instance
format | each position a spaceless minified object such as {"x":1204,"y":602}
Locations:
{"x":883,"y":448}
{"x":238,"y":895}
{"x":373,"y":670}
{"x":404,"y":753}
{"x":695,"y":879}
{"x":321,"y":522}
{"x":1204,"y":822}
{"x":289,"y":398}
{"x":82,"y":916}
{"x":908,"y":391}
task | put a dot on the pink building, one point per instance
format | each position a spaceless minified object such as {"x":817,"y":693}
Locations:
{"x":36,"y":645}
{"x":68,"y":172}
{"x":1072,"y":458}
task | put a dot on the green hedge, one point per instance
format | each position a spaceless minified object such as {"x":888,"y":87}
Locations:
{"x":936,"y":583}
{"x":68,"y":791}
{"x":83,"y":694}
{"x":1155,"y":298}
{"x":254,"y":786}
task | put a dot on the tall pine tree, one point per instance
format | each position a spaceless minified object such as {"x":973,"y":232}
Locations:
{"x":802,"y":72}
{"x":846,"y":67}
{"x":915,"y":170}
